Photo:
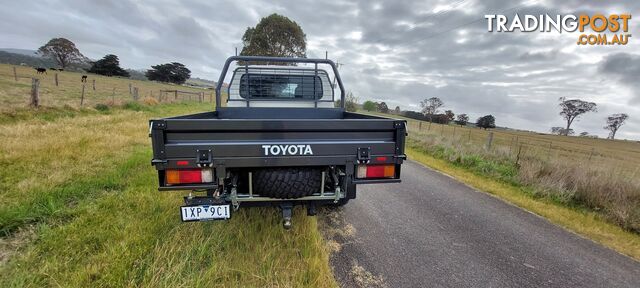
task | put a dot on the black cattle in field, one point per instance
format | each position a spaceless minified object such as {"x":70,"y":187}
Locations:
{"x":53,"y":69}
{"x":41,"y":70}
{"x":84,"y":78}
{"x":60,"y":69}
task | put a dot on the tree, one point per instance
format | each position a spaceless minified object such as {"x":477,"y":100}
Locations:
{"x":487,"y":121}
{"x":562,"y":131}
{"x":462,"y":119}
{"x":169,"y":72}
{"x":350,"y":104}
{"x":369,"y":106}
{"x":571,"y":109}
{"x":614,"y":122}
{"x":450,"y":116}
{"x":275,"y":35}
{"x":382,"y":107}
{"x":63,"y":51}
{"x":430,"y":106}
{"x":109,"y":65}
{"x":397,"y":110}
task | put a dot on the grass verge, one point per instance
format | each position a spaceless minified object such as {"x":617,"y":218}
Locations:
{"x":80,"y":209}
{"x":585,"y":223}
{"x":132,"y":236}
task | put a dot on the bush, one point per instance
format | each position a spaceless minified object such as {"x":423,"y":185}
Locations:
{"x":135,"y":106}
{"x":150,"y":101}
{"x":101,"y":107}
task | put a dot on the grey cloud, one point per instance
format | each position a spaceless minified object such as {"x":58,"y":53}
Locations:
{"x":406,"y":51}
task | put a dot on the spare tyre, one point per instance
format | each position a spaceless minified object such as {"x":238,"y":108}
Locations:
{"x":287,"y":183}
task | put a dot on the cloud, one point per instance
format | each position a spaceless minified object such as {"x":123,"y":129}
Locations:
{"x":399,"y":52}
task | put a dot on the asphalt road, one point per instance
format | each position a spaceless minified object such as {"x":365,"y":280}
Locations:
{"x":433,"y":231}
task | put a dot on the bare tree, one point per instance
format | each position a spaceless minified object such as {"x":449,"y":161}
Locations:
{"x":614,"y":122}
{"x":562,"y":131}
{"x":63,"y":51}
{"x":571,"y":109}
{"x":430,"y":106}
{"x":462,"y":119}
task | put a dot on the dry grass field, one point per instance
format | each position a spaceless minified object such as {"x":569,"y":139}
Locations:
{"x":16,"y":94}
{"x":598,"y":175}
{"x":79,"y":205}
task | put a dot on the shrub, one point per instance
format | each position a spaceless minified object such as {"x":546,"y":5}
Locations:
{"x":101,"y":107}
{"x":150,"y":101}
{"x":135,"y":106}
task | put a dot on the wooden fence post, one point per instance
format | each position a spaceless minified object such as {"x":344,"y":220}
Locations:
{"x":94,"y":84}
{"x":201,"y":97}
{"x":35,"y":92}
{"x":82,"y":96}
{"x":130,"y":91}
{"x":489,"y":140}
{"x":56,"y":79}
{"x":176,"y":94}
{"x":518,"y":156}
{"x":15,"y":74}
{"x":135,"y":93}
{"x":211,"y":98}
{"x":420,"y":126}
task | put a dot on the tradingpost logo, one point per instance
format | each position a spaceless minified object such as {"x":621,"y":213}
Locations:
{"x":596,"y":29}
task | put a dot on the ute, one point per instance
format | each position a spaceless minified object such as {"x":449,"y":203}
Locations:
{"x":280,"y":141}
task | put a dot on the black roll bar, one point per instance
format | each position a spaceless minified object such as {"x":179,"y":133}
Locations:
{"x":223,"y":74}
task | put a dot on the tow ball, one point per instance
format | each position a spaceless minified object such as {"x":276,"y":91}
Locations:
{"x":287,"y":212}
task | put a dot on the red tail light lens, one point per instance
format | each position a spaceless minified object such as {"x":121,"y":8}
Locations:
{"x":376,"y":171}
{"x":188,"y":176}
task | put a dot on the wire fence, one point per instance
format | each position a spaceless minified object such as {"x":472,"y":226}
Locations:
{"x":609,"y":154}
{"x":23,"y":86}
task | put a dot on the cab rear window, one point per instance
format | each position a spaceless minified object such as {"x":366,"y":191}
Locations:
{"x":271,"y":86}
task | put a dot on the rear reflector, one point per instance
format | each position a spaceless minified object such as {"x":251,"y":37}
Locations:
{"x":376,"y":171}
{"x":188,"y":176}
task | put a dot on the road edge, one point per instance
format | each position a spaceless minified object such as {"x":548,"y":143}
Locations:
{"x":588,"y":225}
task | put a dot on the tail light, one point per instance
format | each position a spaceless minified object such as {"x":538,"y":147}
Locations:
{"x":188,"y":176}
{"x":376,"y":171}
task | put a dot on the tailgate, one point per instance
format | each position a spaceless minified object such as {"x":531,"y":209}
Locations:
{"x":291,"y":142}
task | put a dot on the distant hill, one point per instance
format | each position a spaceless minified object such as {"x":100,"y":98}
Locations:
{"x":24,"y":57}
{"x":199,"y":82}
{"x":26,"y":60}
{"x":26,"y":52}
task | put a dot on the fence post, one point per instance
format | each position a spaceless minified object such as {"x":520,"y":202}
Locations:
{"x":135,"y":93}
{"x":15,"y":74}
{"x":56,"y":79}
{"x":201,"y":97}
{"x":211,"y":97}
{"x":175,"y":94}
{"x":429,"y":129}
{"x":130,"y":91}
{"x":420,"y":126}
{"x":82,"y":95}
{"x":94,"y":84}
{"x":35,"y":92}
{"x":518,"y":156}
{"x":489,"y":140}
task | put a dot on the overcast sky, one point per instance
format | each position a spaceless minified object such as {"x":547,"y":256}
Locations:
{"x":399,"y":52}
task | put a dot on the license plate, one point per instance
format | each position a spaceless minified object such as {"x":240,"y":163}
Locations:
{"x":205,"y":212}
